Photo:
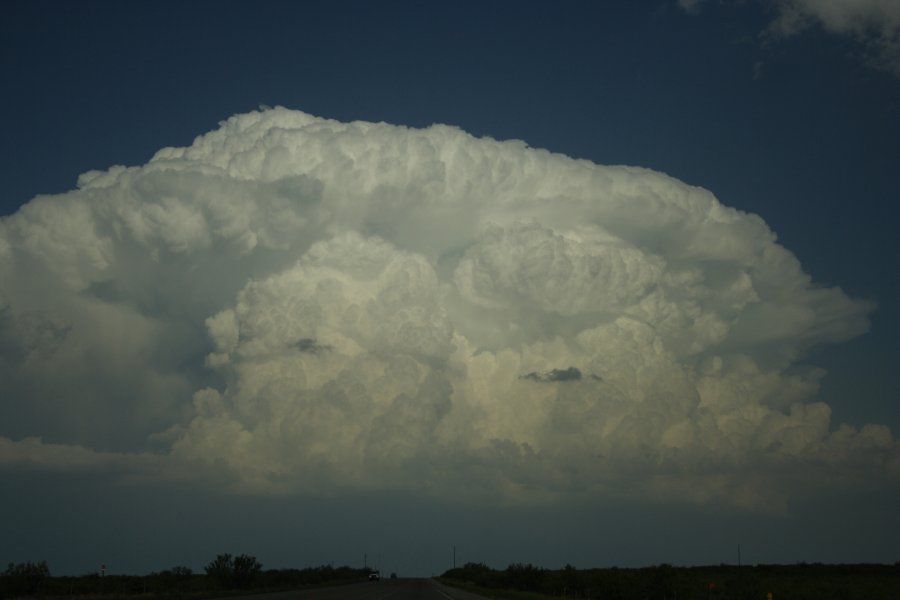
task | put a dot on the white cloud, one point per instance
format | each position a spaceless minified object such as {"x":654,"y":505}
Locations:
{"x":313,"y":306}
{"x":857,"y":17}
{"x":690,"y":6}
{"x":874,"y":24}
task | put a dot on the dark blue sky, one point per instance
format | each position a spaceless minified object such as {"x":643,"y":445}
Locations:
{"x":801,"y":130}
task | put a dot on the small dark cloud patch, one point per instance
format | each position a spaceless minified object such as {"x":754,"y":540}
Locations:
{"x":310,"y":345}
{"x":553,"y":375}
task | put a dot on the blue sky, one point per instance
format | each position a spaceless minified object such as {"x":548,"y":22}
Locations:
{"x":797,"y":125}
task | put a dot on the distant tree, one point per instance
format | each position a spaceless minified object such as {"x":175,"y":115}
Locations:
{"x":176,"y":578}
{"x":24,"y":579}
{"x":476,"y":573}
{"x":571,"y":580}
{"x":238,"y":571}
{"x":525,"y":577}
{"x":182,"y":572}
{"x":222,"y":570}
{"x":245,"y":570}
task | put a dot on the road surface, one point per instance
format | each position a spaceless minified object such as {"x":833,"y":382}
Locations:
{"x":386,"y":589}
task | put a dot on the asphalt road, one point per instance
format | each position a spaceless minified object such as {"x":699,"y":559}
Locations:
{"x":386,"y":589}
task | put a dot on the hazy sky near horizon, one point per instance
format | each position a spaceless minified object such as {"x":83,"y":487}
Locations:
{"x":600,"y":284}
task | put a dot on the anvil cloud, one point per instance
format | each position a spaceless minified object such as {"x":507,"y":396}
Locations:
{"x":298,"y":305}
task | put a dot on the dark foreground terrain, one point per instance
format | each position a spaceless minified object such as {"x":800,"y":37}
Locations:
{"x":665,"y":582}
{"x":246,"y":580}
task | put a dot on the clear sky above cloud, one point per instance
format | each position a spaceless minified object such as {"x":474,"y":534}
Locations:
{"x":335,"y":319}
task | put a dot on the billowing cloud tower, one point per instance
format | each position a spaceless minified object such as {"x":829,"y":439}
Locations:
{"x":297,"y":305}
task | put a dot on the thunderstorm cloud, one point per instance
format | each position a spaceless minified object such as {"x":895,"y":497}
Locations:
{"x":298,"y":305}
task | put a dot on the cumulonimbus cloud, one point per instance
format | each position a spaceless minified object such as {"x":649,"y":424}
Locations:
{"x":313,"y":306}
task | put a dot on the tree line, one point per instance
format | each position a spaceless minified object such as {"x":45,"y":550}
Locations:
{"x":223,"y":574}
{"x":665,"y":582}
